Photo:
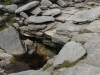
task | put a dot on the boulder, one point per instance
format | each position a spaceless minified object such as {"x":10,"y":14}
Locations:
{"x":10,"y":41}
{"x":70,"y":53}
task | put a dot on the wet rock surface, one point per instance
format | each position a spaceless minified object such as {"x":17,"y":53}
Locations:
{"x":49,"y":37}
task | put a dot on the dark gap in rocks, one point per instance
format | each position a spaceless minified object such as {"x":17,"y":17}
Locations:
{"x":33,"y":61}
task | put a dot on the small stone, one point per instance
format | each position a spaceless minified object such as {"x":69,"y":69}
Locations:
{"x":36,"y":11}
{"x":24,"y":15}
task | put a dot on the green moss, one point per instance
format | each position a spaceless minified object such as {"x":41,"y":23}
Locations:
{"x":8,"y":2}
{"x":47,"y":66}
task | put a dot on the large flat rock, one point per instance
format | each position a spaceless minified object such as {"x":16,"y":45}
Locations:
{"x":85,"y":16}
{"x":10,"y":41}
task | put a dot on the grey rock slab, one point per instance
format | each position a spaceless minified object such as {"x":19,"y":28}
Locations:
{"x":93,"y":50}
{"x":60,"y":39}
{"x":52,"y":12}
{"x":94,"y":26}
{"x":79,"y":69}
{"x":40,"y":19}
{"x":11,"y":8}
{"x":27,"y":6}
{"x":86,"y":16}
{"x":10,"y":41}
{"x":31,"y":72}
{"x":71,"y":52}
{"x":84,"y":37}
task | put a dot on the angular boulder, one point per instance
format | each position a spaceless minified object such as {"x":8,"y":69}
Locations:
{"x":10,"y":41}
{"x":70,"y":53}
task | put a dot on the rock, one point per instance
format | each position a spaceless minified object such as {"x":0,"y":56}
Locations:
{"x":27,"y":6}
{"x":62,"y":3}
{"x":11,"y":8}
{"x":78,"y":1}
{"x":79,"y":69}
{"x":94,"y":26}
{"x":80,"y":5}
{"x":5,"y":59}
{"x":46,"y":3}
{"x":52,"y":12}
{"x":83,"y":38}
{"x":10,"y":41}
{"x":36,"y":11}
{"x":63,"y":28}
{"x":24,"y":15}
{"x":93,"y":50}
{"x":92,"y":3}
{"x":1,"y":7}
{"x":70,"y":53}
{"x":60,"y":39}
{"x":85,"y":16}
{"x":33,"y":27}
{"x":54,"y":6}
{"x":31,"y":72}
{"x":29,"y":46}
{"x":2,"y":72}
{"x":16,"y":25}
{"x":39,"y":19}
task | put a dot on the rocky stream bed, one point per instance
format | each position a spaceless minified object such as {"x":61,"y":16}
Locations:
{"x":49,"y":37}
